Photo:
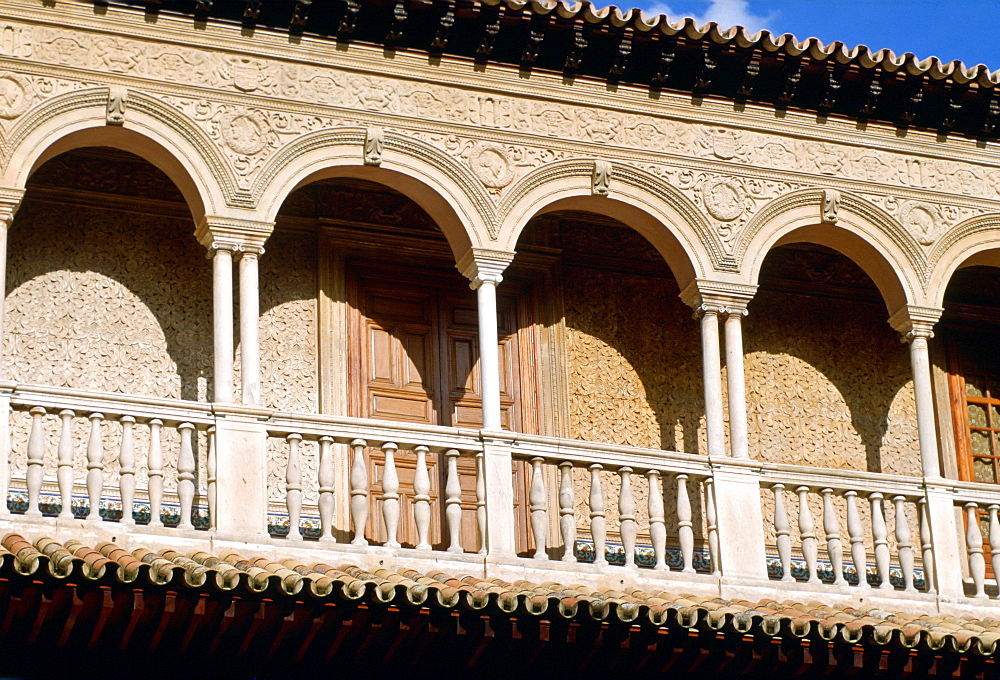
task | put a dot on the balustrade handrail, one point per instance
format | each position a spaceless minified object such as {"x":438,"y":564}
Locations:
{"x":555,"y":449}
{"x":816,"y":478}
{"x":971,"y":492}
{"x":375,"y":432}
{"x":170,"y":411}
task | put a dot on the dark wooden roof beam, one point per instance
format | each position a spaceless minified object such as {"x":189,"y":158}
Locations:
{"x":349,"y":20}
{"x":953,"y":107}
{"x":537,"y":27}
{"x":620,"y":60}
{"x":792,"y":78}
{"x":395,"y":32}
{"x":750,"y":73}
{"x":300,"y":15}
{"x":251,"y":12}
{"x":834,"y":81}
{"x":871,"y":92}
{"x":709,"y":63}
{"x":665,"y":61}
{"x":914,"y":96}
{"x":490,"y":18}
{"x":574,"y":53}
{"x":445,"y":22}
{"x":992,"y":119}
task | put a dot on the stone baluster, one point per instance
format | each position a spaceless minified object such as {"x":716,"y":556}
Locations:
{"x":481,"y":501}
{"x":212,"y":470}
{"x":359,"y":492}
{"x":327,"y":480}
{"x":834,"y":548}
{"x":567,"y":511}
{"x":855,"y":531}
{"x":685,"y":526}
{"x":422,"y":499}
{"x":626,"y":515}
{"x":293,"y":486}
{"x":453,"y":502}
{"x":880,"y":539}
{"x":126,"y":466}
{"x":712,"y":525}
{"x":390,"y":495}
{"x":185,"y":475}
{"x":904,"y":547}
{"x":782,"y":532}
{"x":537,"y":495}
{"x":926,"y":547}
{"x":95,"y":466}
{"x":36,"y":454}
{"x":154,"y":462}
{"x":64,"y":471}
{"x":657,"y":519}
{"x":598,"y":525}
{"x":974,"y":542}
{"x":995,"y":540}
{"x":807,"y":534}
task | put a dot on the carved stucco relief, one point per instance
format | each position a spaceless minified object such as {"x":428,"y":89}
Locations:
{"x":423,"y":101}
{"x":828,"y":384}
{"x":112,"y":301}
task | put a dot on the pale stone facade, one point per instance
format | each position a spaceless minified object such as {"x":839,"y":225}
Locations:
{"x":608,"y":213}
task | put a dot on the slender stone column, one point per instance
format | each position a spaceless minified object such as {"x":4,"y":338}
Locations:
{"x":250,"y":324}
{"x":485,"y":286}
{"x":738,"y":441}
{"x":916,"y":326}
{"x":712,"y":375}
{"x":222,"y":314}
{"x":484,"y":268}
{"x":8,"y":206}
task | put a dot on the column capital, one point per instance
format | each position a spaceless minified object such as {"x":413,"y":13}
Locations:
{"x":10,"y":201}
{"x":720,"y":297}
{"x":914,"y":321}
{"x":233,"y":234}
{"x":482,"y":265}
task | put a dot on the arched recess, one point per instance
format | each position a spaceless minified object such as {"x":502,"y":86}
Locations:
{"x":973,"y":242}
{"x":666,"y":218}
{"x":864,"y":233}
{"x":433,"y":180}
{"x":152,"y":130}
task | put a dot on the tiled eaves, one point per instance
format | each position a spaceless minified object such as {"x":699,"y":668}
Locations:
{"x":737,"y":36}
{"x":233,"y":573}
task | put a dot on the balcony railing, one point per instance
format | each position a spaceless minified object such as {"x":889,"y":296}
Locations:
{"x":147,"y":468}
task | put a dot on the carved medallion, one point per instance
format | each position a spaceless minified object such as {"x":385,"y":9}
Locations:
{"x":244,"y":132}
{"x":921,"y":220}
{"x":14,"y":95}
{"x":491,"y":165}
{"x":724,"y":199}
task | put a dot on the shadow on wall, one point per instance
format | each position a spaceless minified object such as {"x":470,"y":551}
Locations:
{"x":108,"y":300}
{"x":828,"y":381}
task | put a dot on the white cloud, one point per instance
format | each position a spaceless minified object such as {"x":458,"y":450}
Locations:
{"x":726,"y":13}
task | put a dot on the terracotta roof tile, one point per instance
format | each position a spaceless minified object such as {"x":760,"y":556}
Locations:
{"x":230,"y":571}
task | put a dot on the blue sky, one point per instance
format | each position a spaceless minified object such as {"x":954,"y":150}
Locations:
{"x":968,"y":30}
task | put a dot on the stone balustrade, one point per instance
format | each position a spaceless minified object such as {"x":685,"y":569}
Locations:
{"x":148,"y":468}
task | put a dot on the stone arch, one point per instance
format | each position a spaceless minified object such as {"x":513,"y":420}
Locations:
{"x":863,"y":232}
{"x":973,"y":242}
{"x":152,"y":130}
{"x":432,"y":179}
{"x":666,"y":218}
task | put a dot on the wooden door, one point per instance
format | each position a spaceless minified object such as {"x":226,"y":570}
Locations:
{"x":413,"y":356}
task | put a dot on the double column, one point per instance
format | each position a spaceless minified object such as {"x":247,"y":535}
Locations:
{"x":241,"y":438}
{"x":735,"y":476}
{"x":484,"y":269}
{"x":916,"y":326}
